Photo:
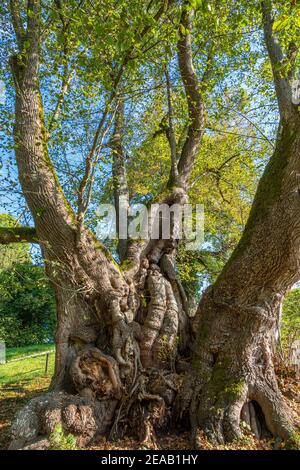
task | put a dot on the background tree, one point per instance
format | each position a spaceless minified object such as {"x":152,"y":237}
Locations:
{"x":290,"y":323}
{"x":27,"y":307}
{"x":27,"y":312}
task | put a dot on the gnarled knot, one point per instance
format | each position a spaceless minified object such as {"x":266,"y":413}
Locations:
{"x":97,"y":374}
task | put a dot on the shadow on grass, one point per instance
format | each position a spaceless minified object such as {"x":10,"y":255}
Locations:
{"x":18,"y":378}
{"x":13,"y":396}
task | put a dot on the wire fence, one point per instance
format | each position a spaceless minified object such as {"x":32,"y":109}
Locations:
{"x":4,"y":361}
{"x":44,"y":353}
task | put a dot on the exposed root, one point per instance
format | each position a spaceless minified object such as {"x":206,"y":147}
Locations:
{"x":147,"y":416}
{"x":219,"y":413}
{"x":279,"y":419}
{"x":146,"y":408}
{"x":83,"y":417}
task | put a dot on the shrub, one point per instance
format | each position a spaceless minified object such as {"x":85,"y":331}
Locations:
{"x":290,"y":324}
{"x":59,"y":440}
{"x":27,"y":307}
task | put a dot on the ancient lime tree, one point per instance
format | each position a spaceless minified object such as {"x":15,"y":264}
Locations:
{"x":129,"y":357}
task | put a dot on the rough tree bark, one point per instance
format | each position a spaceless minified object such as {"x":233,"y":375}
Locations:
{"x":121,"y":330}
{"x":124,"y":334}
{"x":232,"y":367}
{"x":237,"y":317}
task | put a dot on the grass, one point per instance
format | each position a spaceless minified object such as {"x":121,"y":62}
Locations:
{"x":26,"y":369}
{"x":14,"y":353}
{"x":14,"y":395}
{"x":21,"y":381}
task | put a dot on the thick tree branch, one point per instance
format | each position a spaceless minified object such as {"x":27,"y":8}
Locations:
{"x":193,"y":96}
{"x":171,"y":133}
{"x":52,"y":214}
{"x":282,"y":86}
{"x":121,"y":192}
{"x":17,"y":22}
{"x":17,"y":235}
{"x":292,"y":56}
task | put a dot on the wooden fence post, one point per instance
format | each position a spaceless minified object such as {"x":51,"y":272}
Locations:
{"x":47,"y":363}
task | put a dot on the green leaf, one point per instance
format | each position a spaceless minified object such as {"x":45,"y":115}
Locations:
{"x":182,"y":29}
{"x":280,"y":24}
{"x":196,"y":3}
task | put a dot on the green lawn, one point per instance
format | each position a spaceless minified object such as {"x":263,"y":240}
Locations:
{"x":25,"y":369}
{"x":13,"y":353}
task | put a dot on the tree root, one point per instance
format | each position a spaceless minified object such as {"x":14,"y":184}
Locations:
{"x":279,"y":419}
{"x":146,"y":408}
{"x":81,"y":416}
{"x":218,"y":417}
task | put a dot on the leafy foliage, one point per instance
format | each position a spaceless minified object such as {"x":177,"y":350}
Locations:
{"x":59,"y":440}
{"x":290,"y":325}
{"x":13,"y":253}
{"x":27,"y":309}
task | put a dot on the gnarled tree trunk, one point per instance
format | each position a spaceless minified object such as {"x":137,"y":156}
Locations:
{"x":237,"y":317}
{"x":121,"y":329}
{"x":232,"y":368}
